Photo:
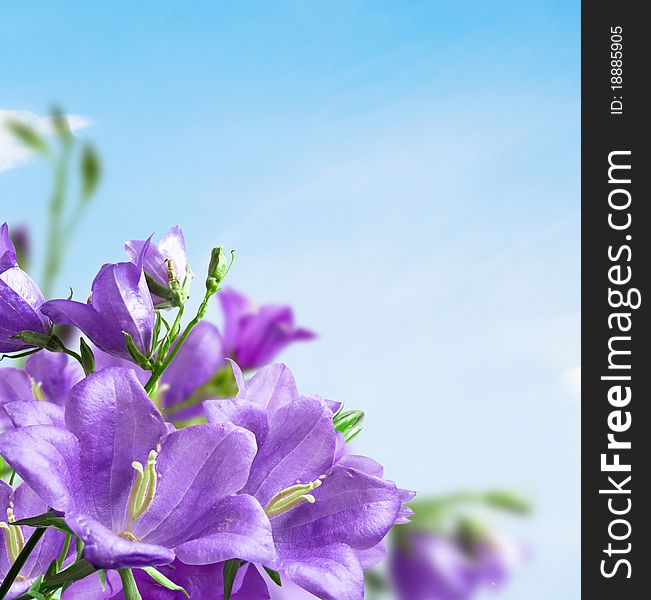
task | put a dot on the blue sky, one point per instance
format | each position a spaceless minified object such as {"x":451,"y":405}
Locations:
{"x":405,"y":174}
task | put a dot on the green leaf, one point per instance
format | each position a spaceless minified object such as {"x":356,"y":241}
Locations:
{"x":87,"y":357}
{"x":28,"y":136}
{"x":48,"y":519}
{"x":91,"y":171}
{"x":102,"y":578}
{"x":231,"y":567}
{"x":159,"y":578}
{"x":275,"y":576}
{"x":74,"y":572}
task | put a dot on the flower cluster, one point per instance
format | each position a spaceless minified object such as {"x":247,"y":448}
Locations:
{"x":164,"y":459}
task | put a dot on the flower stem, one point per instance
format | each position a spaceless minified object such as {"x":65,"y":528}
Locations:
{"x":129,"y":586}
{"x":14,"y":571}
{"x":54,"y":241}
{"x":150,"y":386}
{"x":64,"y":551}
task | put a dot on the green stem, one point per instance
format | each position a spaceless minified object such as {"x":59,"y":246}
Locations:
{"x":129,"y":586}
{"x":160,"y":369}
{"x":14,"y":571}
{"x":64,"y":551}
{"x":53,"y":261}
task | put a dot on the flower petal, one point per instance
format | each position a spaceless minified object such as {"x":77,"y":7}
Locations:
{"x":299,"y":446}
{"x":91,"y":588}
{"x":20,"y":304}
{"x":237,"y":527}
{"x":116,"y":424}
{"x":28,"y":504}
{"x":106,"y":550}
{"x":238,"y":412}
{"x":330,"y":573}
{"x":121,"y":296}
{"x":35,"y":412}
{"x":56,"y":374}
{"x":47,"y":458}
{"x":85,"y":318}
{"x":272,"y":387}
{"x":351,"y":508}
{"x":14,"y":386}
{"x":197,"y":467}
{"x":7,"y":250}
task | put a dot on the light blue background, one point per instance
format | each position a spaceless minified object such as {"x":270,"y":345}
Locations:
{"x":406,"y":174}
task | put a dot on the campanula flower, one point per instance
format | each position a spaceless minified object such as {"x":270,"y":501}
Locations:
{"x":254,"y":336}
{"x":323,"y":514}
{"x":15,"y":505}
{"x":135,"y":493}
{"x":166,"y":267}
{"x":53,"y":374}
{"x":428,"y":566}
{"x":119,"y":303}
{"x":20,"y":299}
{"x":47,"y":376}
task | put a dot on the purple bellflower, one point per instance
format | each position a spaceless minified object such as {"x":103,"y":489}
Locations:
{"x":20,"y":299}
{"x":119,"y":304}
{"x":53,"y":375}
{"x":254,"y":336}
{"x":47,"y":376}
{"x":135,"y":493}
{"x":166,"y":267}
{"x":324,"y":515}
{"x":428,"y":566}
{"x":195,"y":364}
{"x":15,"y":505}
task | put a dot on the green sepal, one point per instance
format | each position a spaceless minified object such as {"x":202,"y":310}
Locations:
{"x":231,"y":567}
{"x":48,"y":519}
{"x":35,"y":589}
{"x":160,"y":579}
{"x":52,"y":569}
{"x":349,"y":423}
{"x":138,"y":357}
{"x":218,"y":268}
{"x":41,"y":340}
{"x":87,"y":357}
{"x":79,"y":549}
{"x":102,"y":579}
{"x":275,"y":576}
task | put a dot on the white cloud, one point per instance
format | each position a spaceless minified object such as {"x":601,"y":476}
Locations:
{"x":572,"y":381}
{"x":13,"y":152}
